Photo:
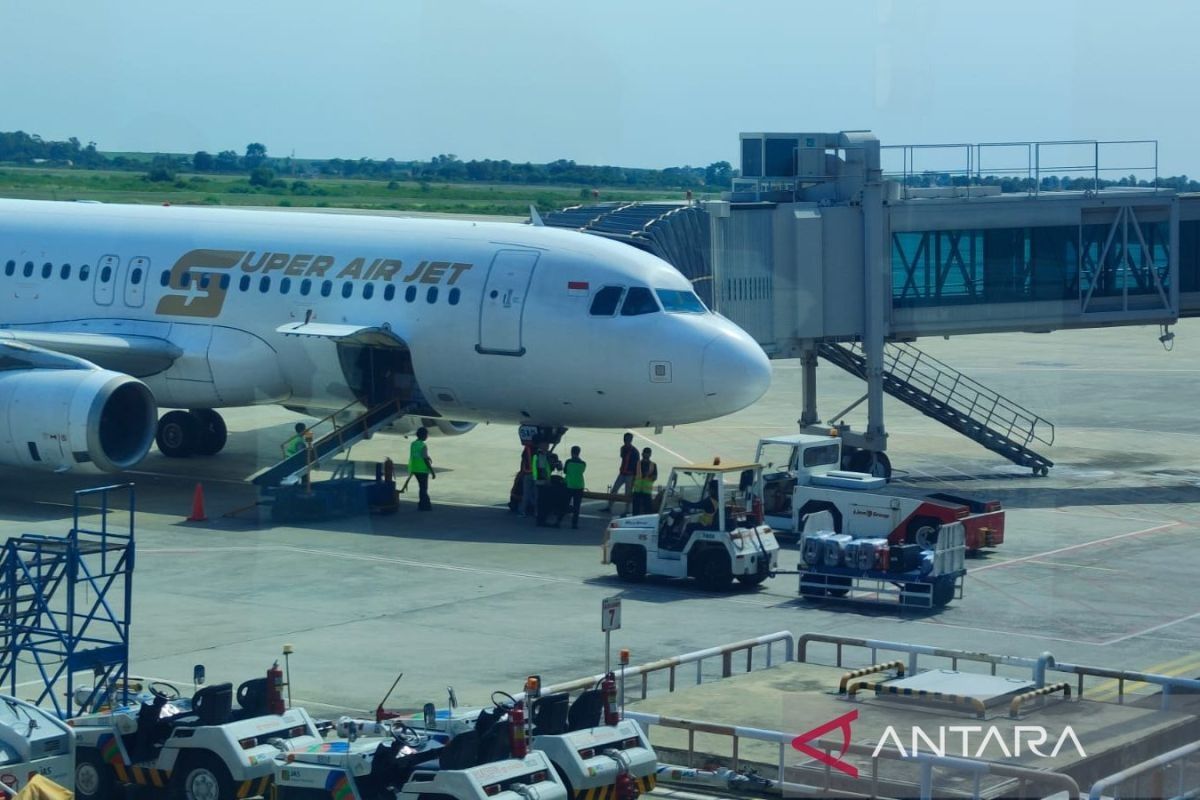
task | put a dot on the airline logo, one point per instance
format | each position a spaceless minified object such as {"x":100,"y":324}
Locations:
{"x":196,"y":287}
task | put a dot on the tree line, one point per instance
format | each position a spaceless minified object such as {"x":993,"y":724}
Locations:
{"x":19,"y":147}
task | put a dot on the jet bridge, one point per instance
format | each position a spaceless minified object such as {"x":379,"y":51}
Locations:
{"x":831,"y":245}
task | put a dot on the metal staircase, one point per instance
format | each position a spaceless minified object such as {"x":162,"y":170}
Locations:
{"x":943,"y":393}
{"x":65,"y":606}
{"x":339,"y":438}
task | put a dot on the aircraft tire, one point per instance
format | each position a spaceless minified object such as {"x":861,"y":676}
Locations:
{"x":212,"y":431}
{"x":178,"y":434}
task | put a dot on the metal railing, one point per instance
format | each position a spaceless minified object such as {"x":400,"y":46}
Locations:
{"x":960,"y":166}
{"x":1158,"y":769}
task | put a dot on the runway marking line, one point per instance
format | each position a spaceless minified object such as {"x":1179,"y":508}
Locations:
{"x":1080,"y":546}
{"x":1151,"y":629}
{"x":1109,"y":690}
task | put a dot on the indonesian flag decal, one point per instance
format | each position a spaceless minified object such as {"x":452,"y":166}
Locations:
{"x":577,"y":288}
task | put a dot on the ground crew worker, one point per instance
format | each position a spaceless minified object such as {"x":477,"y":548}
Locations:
{"x":573,"y":471}
{"x":645,"y":474}
{"x":539,"y":472}
{"x":528,"y":505}
{"x":629,"y":459}
{"x":421,"y":467}
{"x":296,"y":443}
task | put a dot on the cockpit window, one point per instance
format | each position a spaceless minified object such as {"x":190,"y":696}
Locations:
{"x":605,"y":303}
{"x":639,"y":300}
{"x":678,"y":301}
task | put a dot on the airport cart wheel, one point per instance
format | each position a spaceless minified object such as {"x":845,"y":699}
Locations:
{"x":754,"y":579}
{"x":943,"y":590}
{"x":204,"y":778}
{"x":212,"y":432}
{"x":93,"y":777}
{"x":881,"y":466}
{"x":177,"y":434}
{"x":839,"y":582}
{"x":714,"y":572}
{"x":631,"y":563}
{"x":922,"y":531}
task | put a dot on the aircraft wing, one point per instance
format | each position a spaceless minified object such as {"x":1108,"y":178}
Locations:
{"x":131,"y":354}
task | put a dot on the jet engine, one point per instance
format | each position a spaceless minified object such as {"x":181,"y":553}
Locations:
{"x":83,"y":420}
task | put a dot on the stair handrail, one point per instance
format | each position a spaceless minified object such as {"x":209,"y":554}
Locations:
{"x":330,"y":418}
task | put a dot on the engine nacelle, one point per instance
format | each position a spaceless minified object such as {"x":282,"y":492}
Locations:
{"x":85,"y":420}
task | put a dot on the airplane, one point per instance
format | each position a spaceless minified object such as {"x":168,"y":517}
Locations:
{"x":108,"y":312}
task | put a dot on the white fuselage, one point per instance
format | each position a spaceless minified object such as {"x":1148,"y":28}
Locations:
{"x":496,"y":316}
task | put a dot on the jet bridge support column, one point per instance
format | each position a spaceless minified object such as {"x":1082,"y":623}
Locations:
{"x":876,"y":286}
{"x":808,"y":386}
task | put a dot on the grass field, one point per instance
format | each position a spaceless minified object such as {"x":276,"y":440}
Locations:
{"x":231,"y":190}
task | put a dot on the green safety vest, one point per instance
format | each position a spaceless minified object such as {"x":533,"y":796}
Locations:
{"x":417,"y":465}
{"x":643,"y":482}
{"x":573,"y":471}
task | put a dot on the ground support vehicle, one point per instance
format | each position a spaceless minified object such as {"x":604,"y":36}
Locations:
{"x":802,"y":477}
{"x":412,"y":768}
{"x":868,"y":568}
{"x":33,"y":742}
{"x":677,"y":542}
{"x":596,"y":754}
{"x":199,"y":749}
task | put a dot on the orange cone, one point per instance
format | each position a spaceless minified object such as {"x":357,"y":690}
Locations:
{"x":198,"y":505}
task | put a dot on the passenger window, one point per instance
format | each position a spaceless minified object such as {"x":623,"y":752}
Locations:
{"x":135,"y":277}
{"x":368,"y":291}
{"x":305,"y":287}
{"x":264,"y":284}
{"x":285,"y":284}
{"x":28,"y":269}
{"x":326,"y":288}
{"x":389,"y":292}
{"x":184,"y":279}
{"x":224,"y":281}
{"x":65,"y":272}
{"x":205,"y":278}
{"x":47,"y":269}
{"x":244,"y":283}
{"x":410,"y":293}
{"x":106,"y":275}
{"x":431,"y":295}
{"x":165,"y":278}
{"x":640,"y":300}
{"x":84,"y":271}
{"x":605,"y":303}
{"x":10,"y":268}
{"x":453,"y":297}
{"x":347,"y":289}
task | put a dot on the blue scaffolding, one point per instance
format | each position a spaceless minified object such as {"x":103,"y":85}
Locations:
{"x":65,"y":606}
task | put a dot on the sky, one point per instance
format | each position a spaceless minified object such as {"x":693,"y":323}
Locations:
{"x":636,"y":83}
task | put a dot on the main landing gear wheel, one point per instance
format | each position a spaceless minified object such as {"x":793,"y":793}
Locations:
{"x":212,"y":431}
{"x":178,"y":434}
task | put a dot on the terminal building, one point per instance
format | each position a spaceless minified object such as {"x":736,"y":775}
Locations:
{"x":830,"y":245}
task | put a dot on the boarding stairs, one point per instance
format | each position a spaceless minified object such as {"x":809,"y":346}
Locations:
{"x":943,"y":393}
{"x":340,"y":437}
{"x":64,"y":606}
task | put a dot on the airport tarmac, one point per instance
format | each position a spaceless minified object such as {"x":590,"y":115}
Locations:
{"x":1099,"y":565}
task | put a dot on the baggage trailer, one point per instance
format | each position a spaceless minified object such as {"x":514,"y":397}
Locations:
{"x":801,"y":477}
{"x":33,"y":742}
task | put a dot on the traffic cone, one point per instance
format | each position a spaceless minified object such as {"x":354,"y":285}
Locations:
{"x":198,"y":505}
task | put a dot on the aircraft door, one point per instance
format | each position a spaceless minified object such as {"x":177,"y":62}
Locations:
{"x":136,"y":276}
{"x":106,"y":279}
{"x":502,"y":306}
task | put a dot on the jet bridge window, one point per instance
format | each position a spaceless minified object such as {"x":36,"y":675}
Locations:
{"x":639,"y":300}
{"x":677,"y":301}
{"x":605,"y":303}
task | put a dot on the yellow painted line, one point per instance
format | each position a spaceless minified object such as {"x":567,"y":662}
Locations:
{"x":1110,"y":689}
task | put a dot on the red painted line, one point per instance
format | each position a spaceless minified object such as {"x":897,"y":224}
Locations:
{"x":1079,"y":546}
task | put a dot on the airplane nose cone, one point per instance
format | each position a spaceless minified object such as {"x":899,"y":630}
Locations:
{"x":734,"y":372}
